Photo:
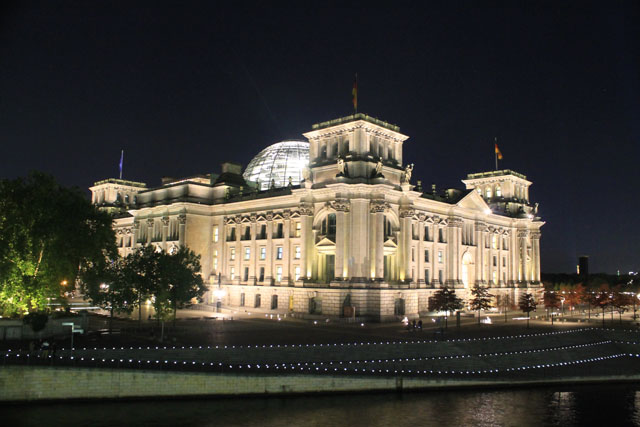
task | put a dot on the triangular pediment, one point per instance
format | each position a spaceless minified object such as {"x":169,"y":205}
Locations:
{"x":390,"y":244}
{"x":473,"y":201}
{"x":325,"y":242}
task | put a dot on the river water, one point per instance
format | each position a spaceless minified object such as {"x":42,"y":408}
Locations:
{"x":611,"y":405}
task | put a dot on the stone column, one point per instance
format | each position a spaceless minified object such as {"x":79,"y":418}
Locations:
{"x":359,"y":240}
{"x":522,"y":240}
{"x":535,"y":241}
{"x":150,"y":223}
{"x":286,"y":250}
{"x":306,"y":239}
{"x":342,"y":207}
{"x":454,"y":229}
{"x":407,"y":238}
{"x":165,"y":232}
{"x":480,"y":228}
{"x":136,"y":233}
{"x":182,"y":228}
{"x":420,"y":260}
{"x":253,"y":265}
{"x":377,"y":209}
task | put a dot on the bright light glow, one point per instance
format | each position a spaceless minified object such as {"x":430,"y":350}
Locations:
{"x":278,"y":162}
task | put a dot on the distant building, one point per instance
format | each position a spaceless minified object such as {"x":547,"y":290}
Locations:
{"x":583,"y":267}
{"x":346,"y":232}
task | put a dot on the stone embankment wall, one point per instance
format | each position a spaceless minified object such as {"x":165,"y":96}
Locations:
{"x":23,"y":383}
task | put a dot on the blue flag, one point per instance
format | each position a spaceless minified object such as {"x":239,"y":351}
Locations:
{"x":121,"y":161}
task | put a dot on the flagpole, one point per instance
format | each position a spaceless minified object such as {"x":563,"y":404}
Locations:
{"x":121,"y":162}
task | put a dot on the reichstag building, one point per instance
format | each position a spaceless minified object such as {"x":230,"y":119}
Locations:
{"x":334,"y":225}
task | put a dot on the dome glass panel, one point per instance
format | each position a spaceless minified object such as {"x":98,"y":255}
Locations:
{"x":278,"y":162}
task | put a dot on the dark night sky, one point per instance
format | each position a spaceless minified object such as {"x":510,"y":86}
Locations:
{"x":183,"y":86}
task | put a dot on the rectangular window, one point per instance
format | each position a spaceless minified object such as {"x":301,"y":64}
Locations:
{"x":215,"y":234}
{"x":233,"y":273}
{"x":426,"y":275}
{"x":426,"y":233}
{"x":246,"y":274}
{"x":232,"y":254}
{"x":426,"y":255}
{"x":215,"y":260}
{"x":263,"y":253}
{"x":298,"y":228}
{"x":297,"y":272}
{"x":247,"y":254}
{"x":247,"y":233}
{"x":504,"y":243}
{"x":440,"y":276}
{"x":279,"y":274}
{"x":232,"y":234}
{"x":440,"y":257}
{"x":274,"y":302}
{"x":495,"y":261}
{"x":298,"y":252}
{"x":242,"y":300}
{"x":504,"y":261}
{"x":263,"y":232}
{"x":279,"y":231}
{"x":440,"y":235}
{"x":413,"y":255}
{"x":414,"y":231}
{"x":279,"y":252}
{"x":257,"y":301}
{"x":261,"y":278}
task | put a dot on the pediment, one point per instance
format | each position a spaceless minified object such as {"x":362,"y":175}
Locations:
{"x":325,"y":242}
{"x":473,"y":201}
{"x":390,"y":244}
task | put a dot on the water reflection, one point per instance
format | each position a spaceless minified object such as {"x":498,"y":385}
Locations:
{"x":577,"y":406}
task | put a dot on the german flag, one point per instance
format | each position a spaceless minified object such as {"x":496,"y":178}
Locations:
{"x":498,"y":153}
{"x":354,"y":93}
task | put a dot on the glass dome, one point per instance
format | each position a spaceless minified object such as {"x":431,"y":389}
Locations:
{"x":278,"y":162}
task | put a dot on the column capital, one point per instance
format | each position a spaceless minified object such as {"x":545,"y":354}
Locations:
{"x":306,"y":209}
{"x":378,"y":206}
{"x":535,"y":234}
{"x":481,"y":226}
{"x":407,"y":212}
{"x":523,"y":234}
{"x":182,"y":219}
{"x":165,"y":221}
{"x":150,"y":222}
{"x":455,"y":221}
{"x":340,"y":205}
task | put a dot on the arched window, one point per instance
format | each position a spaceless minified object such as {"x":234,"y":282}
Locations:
{"x":498,"y":191}
{"x":328,"y":227}
{"x":488,"y":193}
{"x":323,"y":151}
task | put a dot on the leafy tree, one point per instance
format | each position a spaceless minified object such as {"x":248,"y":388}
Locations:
{"x":602,"y":299}
{"x":575,"y":296}
{"x":143,"y":273}
{"x":527,"y":304}
{"x":446,"y":300}
{"x":481,"y":299}
{"x":37,"y":321}
{"x":551,"y":301}
{"x":180,"y":273}
{"x":505,"y":303}
{"x":106,"y":283}
{"x":47,"y":232}
{"x":621,"y":300}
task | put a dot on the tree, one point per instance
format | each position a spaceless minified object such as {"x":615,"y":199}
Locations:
{"x":602,"y":299}
{"x":574,"y":296}
{"x":621,"y":300}
{"x":446,"y":300}
{"x":481,"y":299}
{"x":551,"y":301}
{"x":505,"y":303}
{"x":143,"y":273}
{"x":47,"y":233}
{"x":180,"y":273}
{"x":527,"y":304}
{"x":106,"y":283}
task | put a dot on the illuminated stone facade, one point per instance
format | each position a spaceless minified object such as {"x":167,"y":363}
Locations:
{"x":356,"y":236}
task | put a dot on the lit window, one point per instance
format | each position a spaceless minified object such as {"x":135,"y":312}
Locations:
{"x":215,"y":234}
{"x":488,"y":193}
{"x":495,"y":277}
{"x":298,"y":228}
{"x":279,"y":252}
{"x":298,"y":252}
{"x":498,"y":191}
{"x":479,"y":190}
{"x":494,"y":241}
{"x":297,"y":272}
{"x":215,"y":260}
{"x":232,"y":254}
{"x":278,"y":274}
{"x":263,"y":253}
{"x":440,"y":257}
{"x":247,"y":254}
{"x":233,"y":273}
